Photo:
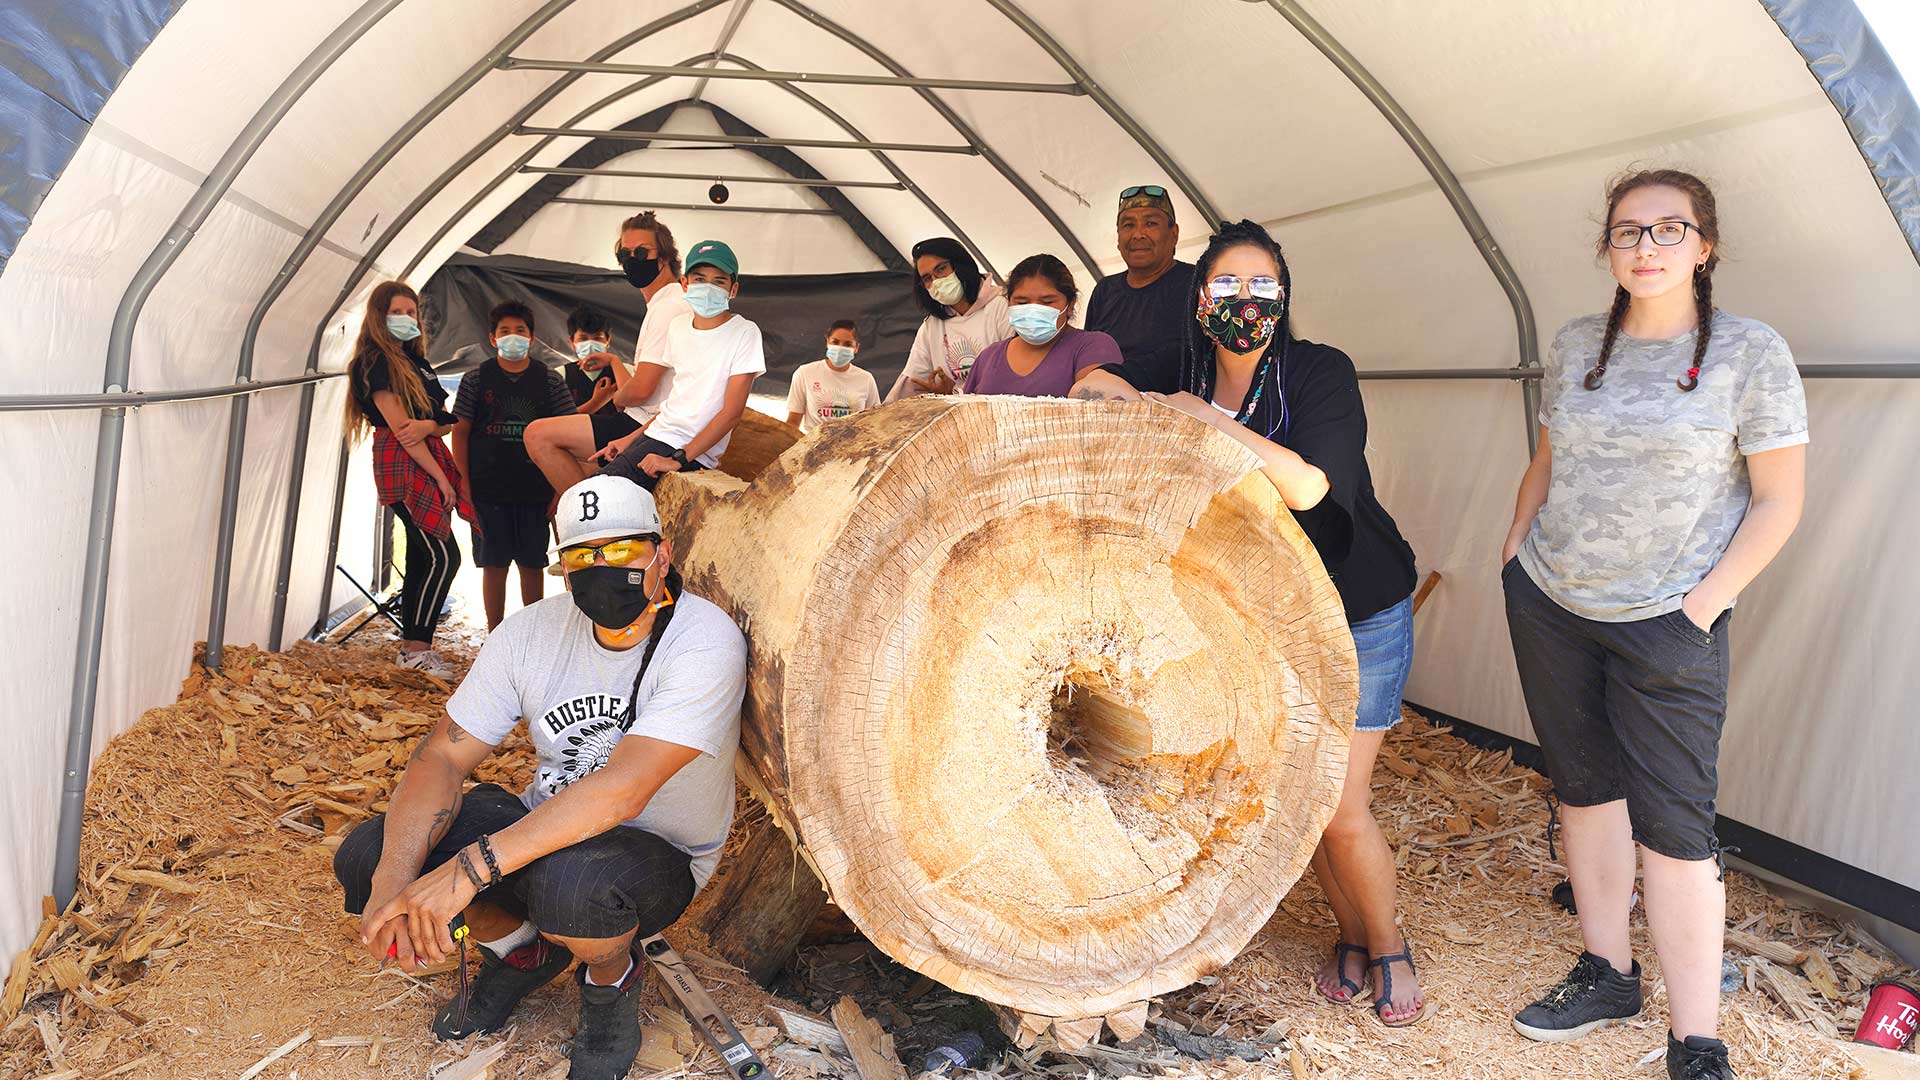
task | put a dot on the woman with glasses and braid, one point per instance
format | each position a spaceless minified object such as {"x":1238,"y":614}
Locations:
{"x":1671,"y":470}
{"x":1297,"y":405}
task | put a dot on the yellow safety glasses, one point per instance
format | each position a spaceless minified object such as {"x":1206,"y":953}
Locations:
{"x":616,"y":552}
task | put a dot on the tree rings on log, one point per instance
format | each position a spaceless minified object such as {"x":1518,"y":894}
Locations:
{"x":1056,"y":694}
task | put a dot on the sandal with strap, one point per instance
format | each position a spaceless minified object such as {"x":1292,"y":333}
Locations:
{"x":1381,"y":1003}
{"x":1340,"y":951}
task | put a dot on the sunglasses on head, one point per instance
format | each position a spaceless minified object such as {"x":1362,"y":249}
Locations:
{"x":624,"y":552}
{"x":1154,"y":190}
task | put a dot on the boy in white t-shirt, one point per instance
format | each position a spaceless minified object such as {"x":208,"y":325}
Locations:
{"x":630,"y":692}
{"x":831,"y":388}
{"x":713,"y":356}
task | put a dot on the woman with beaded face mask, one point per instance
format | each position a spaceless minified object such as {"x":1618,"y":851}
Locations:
{"x":1671,"y":469}
{"x":1297,"y":405}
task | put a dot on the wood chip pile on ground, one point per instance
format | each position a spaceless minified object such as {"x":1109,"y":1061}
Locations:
{"x":208,"y":939}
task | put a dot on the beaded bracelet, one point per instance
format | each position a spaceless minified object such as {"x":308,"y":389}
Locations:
{"x":486,"y":852}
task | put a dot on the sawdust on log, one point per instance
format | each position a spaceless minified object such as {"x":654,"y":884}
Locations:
{"x":208,"y":931}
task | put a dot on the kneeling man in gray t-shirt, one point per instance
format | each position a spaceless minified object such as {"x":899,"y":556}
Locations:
{"x":631,"y":692}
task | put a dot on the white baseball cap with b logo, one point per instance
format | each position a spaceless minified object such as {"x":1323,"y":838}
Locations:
{"x":604,"y":507}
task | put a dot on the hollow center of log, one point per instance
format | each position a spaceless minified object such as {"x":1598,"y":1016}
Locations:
{"x":1093,"y":731}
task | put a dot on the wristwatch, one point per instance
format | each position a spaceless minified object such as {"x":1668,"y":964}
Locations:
{"x":679,"y":455}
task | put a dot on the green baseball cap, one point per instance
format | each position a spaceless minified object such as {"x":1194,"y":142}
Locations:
{"x":715,"y":254}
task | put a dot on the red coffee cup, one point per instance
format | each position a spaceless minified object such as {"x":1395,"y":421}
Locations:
{"x":1893,"y":1011}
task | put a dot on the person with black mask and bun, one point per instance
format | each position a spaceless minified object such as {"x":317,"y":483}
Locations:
{"x":631,"y":691}
{"x":563,"y":446}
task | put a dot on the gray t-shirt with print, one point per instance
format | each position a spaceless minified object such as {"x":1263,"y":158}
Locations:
{"x":1649,"y":481}
{"x":542,"y":663}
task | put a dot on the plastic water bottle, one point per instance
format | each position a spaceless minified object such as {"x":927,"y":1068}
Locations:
{"x":960,"y":1052}
{"x":1731,"y":978}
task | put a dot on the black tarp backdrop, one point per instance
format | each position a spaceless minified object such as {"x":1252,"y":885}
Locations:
{"x":793,"y":311}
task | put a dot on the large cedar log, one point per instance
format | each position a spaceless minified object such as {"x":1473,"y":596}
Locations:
{"x":1053,"y":695}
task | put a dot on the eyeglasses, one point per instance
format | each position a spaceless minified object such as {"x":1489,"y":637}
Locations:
{"x":940,"y":269}
{"x":1226,"y":285}
{"x":1154,"y":190}
{"x":617,"y":553}
{"x":1665,"y":233}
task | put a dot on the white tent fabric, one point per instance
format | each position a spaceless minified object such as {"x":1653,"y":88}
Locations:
{"x":1533,"y":104}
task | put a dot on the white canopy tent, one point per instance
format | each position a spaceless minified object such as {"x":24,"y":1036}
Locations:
{"x":201,"y":192}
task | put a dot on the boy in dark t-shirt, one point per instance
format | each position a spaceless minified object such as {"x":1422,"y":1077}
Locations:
{"x":496,"y":402}
{"x":595,"y":374}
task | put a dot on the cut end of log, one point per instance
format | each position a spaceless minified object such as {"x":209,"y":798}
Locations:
{"x":1057,"y":693}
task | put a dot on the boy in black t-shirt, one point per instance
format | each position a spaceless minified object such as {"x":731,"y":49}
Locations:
{"x":595,"y":374}
{"x":497,"y":401}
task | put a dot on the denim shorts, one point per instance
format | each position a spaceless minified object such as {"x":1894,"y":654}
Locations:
{"x":1384,"y":644}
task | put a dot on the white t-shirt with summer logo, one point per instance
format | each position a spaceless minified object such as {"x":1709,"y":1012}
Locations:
{"x":669,"y":303}
{"x":543,"y":663}
{"x":821,"y":393}
{"x":702,"y":361}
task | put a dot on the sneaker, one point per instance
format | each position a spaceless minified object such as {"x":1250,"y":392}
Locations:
{"x":609,"y":1035}
{"x":1698,"y":1058}
{"x":499,"y":987}
{"x":1592,"y":996}
{"x":425,"y":660}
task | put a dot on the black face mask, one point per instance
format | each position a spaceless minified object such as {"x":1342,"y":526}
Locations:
{"x":612,"y":596}
{"x":640,"y":269}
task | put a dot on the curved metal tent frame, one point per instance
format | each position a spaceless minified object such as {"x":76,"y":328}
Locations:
{"x":1839,"y":48}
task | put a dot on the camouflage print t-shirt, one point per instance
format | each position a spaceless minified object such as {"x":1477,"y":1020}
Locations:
{"x":1650,"y":481}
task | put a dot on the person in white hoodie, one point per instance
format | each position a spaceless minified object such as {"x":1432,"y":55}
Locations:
{"x":966,"y":312}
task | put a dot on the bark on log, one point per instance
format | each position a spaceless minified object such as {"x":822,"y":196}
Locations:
{"x":1054,"y":694}
{"x":763,"y":900}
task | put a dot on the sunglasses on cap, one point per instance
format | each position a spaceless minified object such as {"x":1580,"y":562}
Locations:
{"x":617,"y":553}
{"x":1155,"y":190}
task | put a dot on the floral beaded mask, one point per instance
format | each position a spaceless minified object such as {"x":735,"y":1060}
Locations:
{"x":1240,"y":325}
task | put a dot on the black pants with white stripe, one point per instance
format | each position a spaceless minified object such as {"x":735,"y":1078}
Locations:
{"x":431,"y":564}
{"x":602,"y":887}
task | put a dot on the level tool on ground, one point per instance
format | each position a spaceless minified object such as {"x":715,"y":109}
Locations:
{"x":712,"y":1024}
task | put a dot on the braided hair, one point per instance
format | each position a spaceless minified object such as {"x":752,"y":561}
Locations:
{"x":1266,"y":410}
{"x":1706,"y":216}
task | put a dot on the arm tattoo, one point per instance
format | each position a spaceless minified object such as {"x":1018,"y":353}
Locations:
{"x":454,"y":731}
{"x":443,"y":819}
{"x":1088,"y":393}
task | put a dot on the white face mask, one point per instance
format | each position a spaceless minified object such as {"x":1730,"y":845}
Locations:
{"x":584,"y":349}
{"x":946,"y":290}
{"x":840,"y":356}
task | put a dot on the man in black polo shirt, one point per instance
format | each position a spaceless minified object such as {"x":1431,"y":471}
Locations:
{"x":497,"y":401}
{"x":1147,"y":308}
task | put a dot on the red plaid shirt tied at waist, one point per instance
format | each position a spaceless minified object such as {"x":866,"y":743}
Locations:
{"x":400,"y":480}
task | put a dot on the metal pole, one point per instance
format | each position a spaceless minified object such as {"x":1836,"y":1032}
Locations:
{"x":1436,"y":166}
{"x":290,"y":520}
{"x":577,"y":200}
{"x":304,"y":423}
{"x":333,"y":527}
{"x":1111,"y":107}
{"x":731,"y":178}
{"x":99,"y":542}
{"x":134,"y":399}
{"x":830,"y":79}
{"x":880,"y":56}
{"x":741,"y":140}
{"x":720,"y":44}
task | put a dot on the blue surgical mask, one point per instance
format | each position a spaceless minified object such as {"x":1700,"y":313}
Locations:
{"x":513,"y":346}
{"x":1035,"y":323}
{"x":587,"y":348}
{"x":840,"y":355}
{"x":404,"y":327}
{"x":707,"y":300}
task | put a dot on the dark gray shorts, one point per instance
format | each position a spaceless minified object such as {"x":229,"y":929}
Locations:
{"x":1627,"y":710}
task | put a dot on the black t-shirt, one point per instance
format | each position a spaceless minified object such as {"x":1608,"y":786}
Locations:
{"x":580,"y":385}
{"x":1149,"y":322}
{"x":1326,"y":423}
{"x":500,"y":405}
{"x":368,"y":376}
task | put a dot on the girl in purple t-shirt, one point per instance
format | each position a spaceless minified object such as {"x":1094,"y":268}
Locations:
{"x":1046,"y":355}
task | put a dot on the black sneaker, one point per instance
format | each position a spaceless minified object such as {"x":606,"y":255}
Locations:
{"x":1698,"y":1058}
{"x":499,"y":987}
{"x":609,"y":1035}
{"x":1592,"y":996}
